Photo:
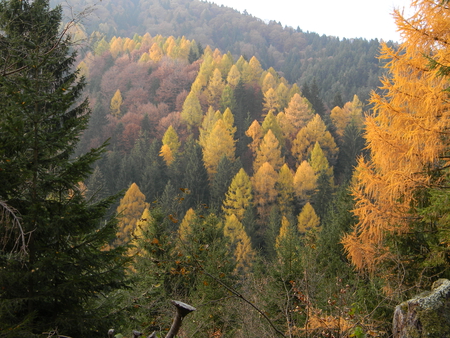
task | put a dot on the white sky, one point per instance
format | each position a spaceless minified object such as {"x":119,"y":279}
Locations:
{"x":368,"y":19}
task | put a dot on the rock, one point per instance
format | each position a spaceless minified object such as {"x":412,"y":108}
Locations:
{"x":427,"y":315}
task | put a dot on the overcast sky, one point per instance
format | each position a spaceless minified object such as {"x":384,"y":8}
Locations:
{"x":343,"y":18}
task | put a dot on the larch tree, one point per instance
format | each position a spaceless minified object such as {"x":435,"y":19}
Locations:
{"x":239,"y":196}
{"x":155,"y":52}
{"x":315,"y":131}
{"x":298,"y":113}
{"x":408,"y":143}
{"x":185,"y":226}
{"x":282,"y":92}
{"x":252,"y":72}
{"x":305,"y":181}
{"x":270,"y":122}
{"x":264,"y":191}
{"x":215,"y":88}
{"x":285,"y":189}
{"x":192,"y":111}
{"x":130,"y":209}
{"x":208,"y":122}
{"x":228,"y":119}
{"x":220,"y":142}
{"x":271,"y":101}
{"x":319,"y":162}
{"x":240,"y":242}
{"x":308,"y":220}
{"x":234,"y":76}
{"x":256,"y":133}
{"x":116,"y":103}
{"x":170,"y":146}
{"x":268,"y":82}
{"x":269,"y":151}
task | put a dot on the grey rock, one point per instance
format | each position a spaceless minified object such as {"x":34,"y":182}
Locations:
{"x":426,"y":315}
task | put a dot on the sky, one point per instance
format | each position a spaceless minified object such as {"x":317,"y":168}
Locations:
{"x":343,"y":18}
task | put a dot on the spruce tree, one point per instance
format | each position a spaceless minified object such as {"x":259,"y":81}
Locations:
{"x":50,"y":286}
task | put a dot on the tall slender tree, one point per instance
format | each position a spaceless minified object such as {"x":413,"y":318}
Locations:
{"x":63,"y":268}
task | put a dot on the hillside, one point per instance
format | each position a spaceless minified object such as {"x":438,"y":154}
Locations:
{"x":344,"y":67}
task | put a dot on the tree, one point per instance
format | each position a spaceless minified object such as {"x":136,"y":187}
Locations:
{"x":116,"y":103}
{"x":239,"y":196}
{"x":315,"y":131}
{"x":130,"y":209}
{"x":42,"y":115}
{"x":307,"y":219}
{"x":285,"y":188}
{"x":265,"y":194}
{"x":219,"y":143}
{"x":256,"y":133}
{"x":298,"y":114}
{"x":170,"y":146}
{"x":226,"y":170}
{"x":408,"y":144}
{"x":305,"y":181}
{"x":271,"y":101}
{"x":215,"y":88}
{"x":269,"y":151}
{"x":192,"y":111}
{"x":233,"y":76}
{"x":240,"y":243}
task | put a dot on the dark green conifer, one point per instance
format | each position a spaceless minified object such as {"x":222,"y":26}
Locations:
{"x":52,"y":285}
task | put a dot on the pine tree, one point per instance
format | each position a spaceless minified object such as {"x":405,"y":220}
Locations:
{"x":63,"y":268}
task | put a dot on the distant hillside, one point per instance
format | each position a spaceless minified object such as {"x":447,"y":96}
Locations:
{"x":343,"y":66}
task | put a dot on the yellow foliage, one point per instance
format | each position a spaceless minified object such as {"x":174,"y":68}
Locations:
{"x":265,"y":194}
{"x":406,"y":135}
{"x":240,"y":242}
{"x":256,"y":133}
{"x":239,"y":196}
{"x":219,"y":143}
{"x":269,"y":151}
{"x":233,"y":76}
{"x":116,"y":102}
{"x":315,"y":131}
{"x":305,"y":181}
{"x":308,"y":220}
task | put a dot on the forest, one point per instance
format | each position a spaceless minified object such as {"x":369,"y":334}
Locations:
{"x":284,"y":184}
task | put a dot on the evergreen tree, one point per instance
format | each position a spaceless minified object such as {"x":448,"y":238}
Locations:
{"x":226,"y":170}
{"x":195,"y":177}
{"x":63,"y":268}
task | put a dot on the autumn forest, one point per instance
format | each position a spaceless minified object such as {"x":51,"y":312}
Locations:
{"x":283,"y":183}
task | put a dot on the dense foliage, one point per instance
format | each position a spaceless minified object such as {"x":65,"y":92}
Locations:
{"x":54,"y":273}
{"x":234,"y":148}
{"x":340,"y":67}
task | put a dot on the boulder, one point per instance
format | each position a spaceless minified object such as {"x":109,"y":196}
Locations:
{"x":427,"y":315}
